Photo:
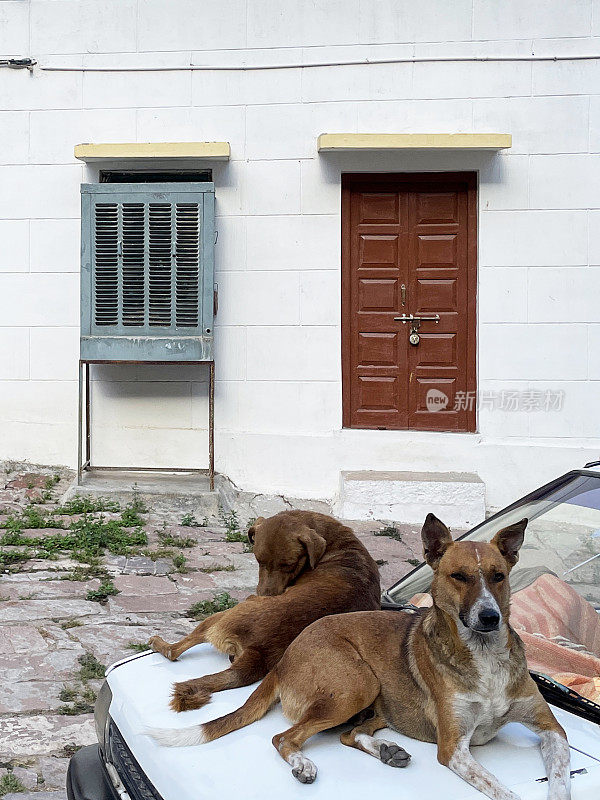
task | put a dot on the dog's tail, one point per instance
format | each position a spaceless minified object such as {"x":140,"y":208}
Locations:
{"x":255,"y":707}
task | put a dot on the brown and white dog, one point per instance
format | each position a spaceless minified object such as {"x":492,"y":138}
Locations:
{"x":452,"y":674}
{"x":309,"y":565}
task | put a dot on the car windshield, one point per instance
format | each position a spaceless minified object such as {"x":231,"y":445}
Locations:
{"x":555,"y":585}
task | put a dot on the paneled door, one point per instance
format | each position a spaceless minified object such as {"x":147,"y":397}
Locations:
{"x":409,"y":277}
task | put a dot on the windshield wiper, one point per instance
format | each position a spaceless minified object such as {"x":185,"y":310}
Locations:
{"x":565,"y":698}
{"x":595,"y":535}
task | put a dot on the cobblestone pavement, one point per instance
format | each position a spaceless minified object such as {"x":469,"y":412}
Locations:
{"x":69,"y":606}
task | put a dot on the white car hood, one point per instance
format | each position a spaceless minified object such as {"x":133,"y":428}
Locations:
{"x":245,"y":765}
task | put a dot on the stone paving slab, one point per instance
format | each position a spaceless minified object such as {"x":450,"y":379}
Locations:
{"x":54,"y":566}
{"x":195,"y":582}
{"x":35,"y":590}
{"x":136,"y":585}
{"x":21,"y":640}
{"x":46,"y":575}
{"x":201,"y":535}
{"x":205,"y":561}
{"x":53,"y":665}
{"x":29,"y":695}
{"x":43,"y":533}
{"x":27,"y":480}
{"x":109,"y":643}
{"x":166,"y":603}
{"x":240,"y":579}
{"x":138,"y":565}
{"x":220,"y":549}
{"x":28,"y":777}
{"x":44,"y":734}
{"x":53,"y":770}
{"x":60,"y":794}
{"x":26,"y":610}
{"x":391,"y":572}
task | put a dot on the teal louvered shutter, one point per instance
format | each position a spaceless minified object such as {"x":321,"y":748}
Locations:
{"x":147,"y":270}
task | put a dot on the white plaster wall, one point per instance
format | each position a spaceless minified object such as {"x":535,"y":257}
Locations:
{"x":278,"y":214}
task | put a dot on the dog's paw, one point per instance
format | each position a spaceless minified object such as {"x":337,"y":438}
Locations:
{"x":393,"y":755}
{"x":158,"y":644}
{"x":305,"y":771}
{"x":188,"y":696}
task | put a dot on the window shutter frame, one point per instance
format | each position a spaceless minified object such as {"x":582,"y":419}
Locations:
{"x":188,"y":289}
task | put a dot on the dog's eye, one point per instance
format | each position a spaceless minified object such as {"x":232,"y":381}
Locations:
{"x":498,"y":577}
{"x":458,"y":576}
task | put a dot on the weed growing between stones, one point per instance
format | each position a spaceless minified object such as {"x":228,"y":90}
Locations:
{"x":52,"y":480}
{"x":138,"y":647}
{"x":220,"y":602}
{"x":414,"y":562}
{"x":169,"y":540}
{"x":179,"y":562}
{"x":218,"y":568}
{"x":10,"y":559}
{"x":85,"y":539}
{"x":44,"y":497}
{"x":380,"y":562}
{"x":154,"y":555}
{"x":391,"y":531}
{"x":88,"y":505}
{"x":69,"y":750}
{"x":70,"y":623}
{"x":137,"y":504}
{"x":67,"y":694}
{"x":30,"y":518}
{"x":231,"y":523}
{"x":91,"y":668}
{"x":92,"y":569}
{"x":102,"y":593}
{"x":78,"y":700}
{"x":131,"y":518}
{"x":233,"y":533}
{"x":78,"y":707}
{"x":190,"y":521}
{"x":10,"y":783}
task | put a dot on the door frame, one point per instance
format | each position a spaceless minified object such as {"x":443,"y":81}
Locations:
{"x":374,"y":181}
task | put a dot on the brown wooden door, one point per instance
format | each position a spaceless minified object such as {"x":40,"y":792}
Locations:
{"x":409,"y":247}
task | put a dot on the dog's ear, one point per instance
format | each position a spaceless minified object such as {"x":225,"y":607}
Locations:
{"x":436,"y":539}
{"x":252,"y":530}
{"x":315,"y":545}
{"x":509,"y":541}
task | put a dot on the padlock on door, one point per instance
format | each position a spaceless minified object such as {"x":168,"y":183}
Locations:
{"x":415,"y":324}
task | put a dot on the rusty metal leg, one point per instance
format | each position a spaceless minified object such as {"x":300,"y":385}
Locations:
{"x":79,"y":424}
{"x":211,"y":426}
{"x":88,"y":426}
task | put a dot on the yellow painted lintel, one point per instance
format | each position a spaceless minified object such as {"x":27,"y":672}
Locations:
{"x":169,"y":151}
{"x":352,"y":142}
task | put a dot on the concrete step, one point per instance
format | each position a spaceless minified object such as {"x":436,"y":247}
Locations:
{"x":457,"y":498}
{"x":187,"y":492}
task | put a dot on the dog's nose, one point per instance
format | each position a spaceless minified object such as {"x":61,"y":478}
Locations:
{"x":489,"y":619}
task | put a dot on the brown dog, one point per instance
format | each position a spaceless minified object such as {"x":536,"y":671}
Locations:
{"x":452,"y":674}
{"x":310,"y":565}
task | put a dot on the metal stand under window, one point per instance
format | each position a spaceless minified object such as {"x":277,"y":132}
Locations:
{"x":147,"y":277}
{"x":85,"y":427}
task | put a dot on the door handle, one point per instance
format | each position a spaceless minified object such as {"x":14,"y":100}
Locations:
{"x":417,"y":318}
{"x":403,"y":294}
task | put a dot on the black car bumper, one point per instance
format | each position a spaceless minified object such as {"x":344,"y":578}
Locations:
{"x":87,"y":778}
